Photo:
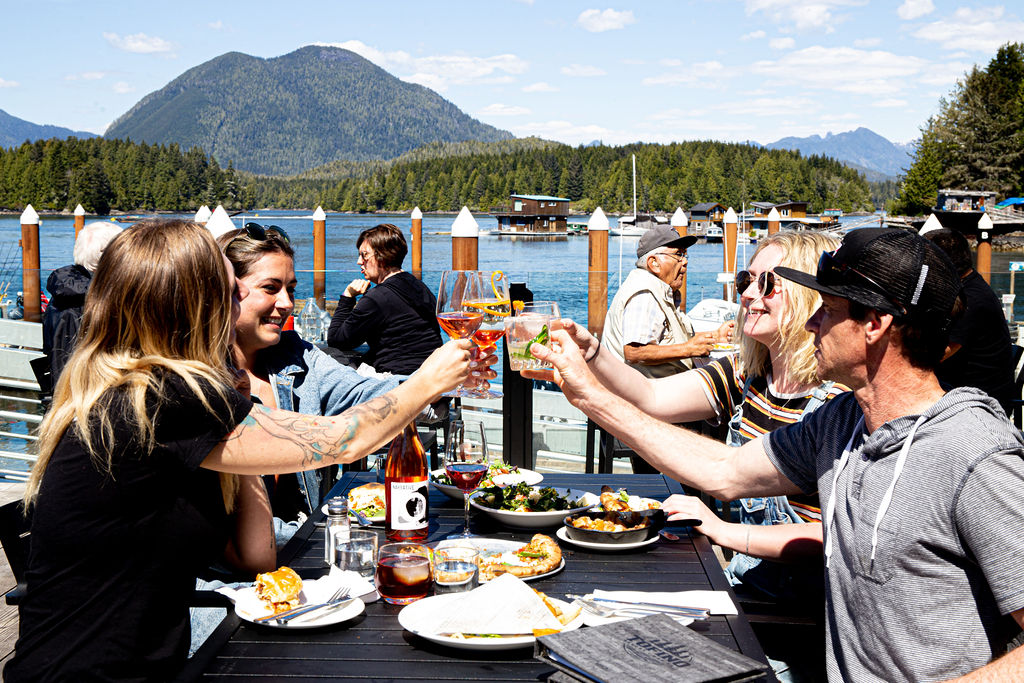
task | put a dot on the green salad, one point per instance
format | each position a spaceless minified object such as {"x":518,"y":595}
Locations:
{"x":525,"y":498}
{"x":493,"y":470}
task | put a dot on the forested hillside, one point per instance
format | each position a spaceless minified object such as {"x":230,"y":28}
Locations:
{"x":120,"y":175}
{"x":976,"y":141}
{"x":292,"y":113}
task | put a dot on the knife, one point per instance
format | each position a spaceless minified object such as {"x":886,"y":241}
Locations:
{"x":697,"y":612}
{"x":288,"y":615}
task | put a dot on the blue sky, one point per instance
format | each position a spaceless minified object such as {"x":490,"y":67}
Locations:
{"x":655,"y":71}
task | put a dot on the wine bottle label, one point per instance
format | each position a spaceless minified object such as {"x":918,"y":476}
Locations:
{"x":408,"y":503}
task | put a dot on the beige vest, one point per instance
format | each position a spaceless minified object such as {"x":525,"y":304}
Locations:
{"x":678,"y":327}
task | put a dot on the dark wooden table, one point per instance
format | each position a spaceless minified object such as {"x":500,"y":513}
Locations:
{"x":374,"y":646}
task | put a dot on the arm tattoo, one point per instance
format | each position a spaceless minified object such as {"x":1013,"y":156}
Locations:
{"x":320,"y":441}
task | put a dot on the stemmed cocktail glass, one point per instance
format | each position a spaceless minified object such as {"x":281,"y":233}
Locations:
{"x":465,"y":462}
{"x":455,"y":315}
{"x":495,"y":305}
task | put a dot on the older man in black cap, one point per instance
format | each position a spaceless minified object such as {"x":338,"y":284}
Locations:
{"x":922,"y":490}
{"x":646,"y":326}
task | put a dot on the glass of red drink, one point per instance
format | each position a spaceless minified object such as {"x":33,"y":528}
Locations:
{"x":403,"y":572}
{"x":465,"y":462}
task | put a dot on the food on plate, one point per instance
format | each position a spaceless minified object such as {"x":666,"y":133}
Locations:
{"x":599,"y":524}
{"x":368,"y":499}
{"x":540,"y":556}
{"x":563,"y":616}
{"x":525,"y":498}
{"x":279,"y":589}
{"x":614,"y":501}
{"x":495,"y":469}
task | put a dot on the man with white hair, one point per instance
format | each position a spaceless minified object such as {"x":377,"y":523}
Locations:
{"x":645,"y":326}
{"x":67,"y":287}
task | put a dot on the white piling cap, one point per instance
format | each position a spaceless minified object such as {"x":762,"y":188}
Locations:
{"x":730,"y":216}
{"x":465,"y":225}
{"x":79,"y":211}
{"x":931,"y":224}
{"x":417,"y":214}
{"x":773,"y":215}
{"x":984,"y":223}
{"x":319,"y":214}
{"x":219,"y":222}
{"x":598,"y":221}
{"x":203,"y":214}
{"x":679,"y":219}
{"x":29,"y":216}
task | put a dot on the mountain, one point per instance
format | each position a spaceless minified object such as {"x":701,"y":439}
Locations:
{"x":14,"y":131}
{"x":292,"y":113}
{"x":862,"y":149}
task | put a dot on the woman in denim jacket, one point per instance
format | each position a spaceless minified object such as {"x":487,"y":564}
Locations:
{"x":284,"y":370}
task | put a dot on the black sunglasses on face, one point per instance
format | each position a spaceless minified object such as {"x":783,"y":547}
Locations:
{"x":765,"y":282}
{"x":832,"y":272}
{"x":257,"y":232}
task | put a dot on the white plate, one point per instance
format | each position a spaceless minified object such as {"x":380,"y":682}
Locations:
{"x":536,"y":520}
{"x":375,"y":518}
{"x":455,"y":493}
{"x":494,"y":547}
{"x":409,"y":613}
{"x":245,"y":609}
{"x":563,"y":535}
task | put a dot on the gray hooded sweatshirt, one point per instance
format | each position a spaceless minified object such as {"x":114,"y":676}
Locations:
{"x":925,"y":543}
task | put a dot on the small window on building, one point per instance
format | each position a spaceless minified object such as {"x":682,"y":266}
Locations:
{"x":518,"y":205}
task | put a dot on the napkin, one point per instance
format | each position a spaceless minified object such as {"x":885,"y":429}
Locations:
{"x":313,"y":590}
{"x":718,"y":602}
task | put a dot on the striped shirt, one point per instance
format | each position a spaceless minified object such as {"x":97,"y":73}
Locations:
{"x":764,"y":410}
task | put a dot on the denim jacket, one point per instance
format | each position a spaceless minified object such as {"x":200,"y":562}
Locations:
{"x":307,"y":380}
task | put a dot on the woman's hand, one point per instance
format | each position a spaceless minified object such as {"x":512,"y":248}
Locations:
{"x":691,"y":507}
{"x":357,"y":287}
{"x":480,"y":370}
{"x":725,"y":332}
{"x":446,"y":368}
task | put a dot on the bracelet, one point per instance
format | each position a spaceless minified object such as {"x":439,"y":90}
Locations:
{"x":747,"y":550}
{"x":587,"y":360}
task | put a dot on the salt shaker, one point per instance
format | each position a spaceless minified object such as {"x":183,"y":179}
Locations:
{"x":337,"y":528}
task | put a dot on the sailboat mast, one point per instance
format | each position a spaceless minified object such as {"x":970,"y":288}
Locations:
{"x":634,"y":190}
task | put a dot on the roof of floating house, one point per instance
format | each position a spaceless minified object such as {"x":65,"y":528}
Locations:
{"x":1010,"y":201}
{"x":705,"y":206}
{"x":541,"y":197}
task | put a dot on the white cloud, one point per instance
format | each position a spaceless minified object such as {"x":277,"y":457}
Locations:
{"x":753,"y":35}
{"x":781,"y":43}
{"x":867,"y":42}
{"x":139,"y":43}
{"x":945,"y":74}
{"x":692,"y":74}
{"x":498,"y":109}
{"x":670,"y":62}
{"x":216,"y":25}
{"x":804,"y":14}
{"x":540,"y":86}
{"x":981,"y":29}
{"x":889,"y":103}
{"x":123,"y":88}
{"x":597,"y":21}
{"x":582,"y":71}
{"x":770,"y":106}
{"x":843,"y":69}
{"x":438,"y":72}
{"x":633,"y":61}
{"x":912,"y":9}
{"x":86,"y":76}
{"x":8,"y":84}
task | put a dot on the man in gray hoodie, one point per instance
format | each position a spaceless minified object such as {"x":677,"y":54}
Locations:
{"x":922,"y":491}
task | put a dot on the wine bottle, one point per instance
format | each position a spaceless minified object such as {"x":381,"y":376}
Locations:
{"x":405,"y":488}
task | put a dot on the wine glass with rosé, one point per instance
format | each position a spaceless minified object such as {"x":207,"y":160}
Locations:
{"x":496,"y":305}
{"x":454,"y":314}
{"x":465,"y":462}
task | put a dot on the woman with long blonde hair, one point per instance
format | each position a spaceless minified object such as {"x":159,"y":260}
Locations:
{"x":144,"y":453}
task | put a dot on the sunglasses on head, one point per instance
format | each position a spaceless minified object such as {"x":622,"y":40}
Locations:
{"x":257,"y":232}
{"x":765,"y":283}
{"x":833,"y":272}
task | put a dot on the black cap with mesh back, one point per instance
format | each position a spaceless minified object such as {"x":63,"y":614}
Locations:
{"x":890,"y":270}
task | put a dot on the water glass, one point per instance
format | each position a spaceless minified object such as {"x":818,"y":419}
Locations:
{"x":358,"y":553}
{"x":456,"y":569}
{"x":522,"y":330}
{"x":403,"y":572}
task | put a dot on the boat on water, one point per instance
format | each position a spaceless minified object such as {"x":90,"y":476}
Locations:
{"x":714,"y":233}
{"x":637,"y":224}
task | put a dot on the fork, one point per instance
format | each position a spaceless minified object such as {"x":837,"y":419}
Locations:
{"x":605,"y":611}
{"x":338,"y":597}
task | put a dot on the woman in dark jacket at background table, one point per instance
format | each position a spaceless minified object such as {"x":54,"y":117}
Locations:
{"x":397,"y":318}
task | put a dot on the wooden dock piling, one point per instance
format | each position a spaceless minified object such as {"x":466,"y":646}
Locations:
{"x":30,"y":265}
{"x":681,"y":224}
{"x":774,"y":221}
{"x":985,"y":247}
{"x":465,"y":238}
{"x":729,"y":250}
{"x":79,"y":220}
{"x":597,"y":278}
{"x":319,"y":257}
{"x":417,"y":243}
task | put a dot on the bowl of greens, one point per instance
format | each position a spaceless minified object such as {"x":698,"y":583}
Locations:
{"x":531,"y":507}
{"x":498,"y":474}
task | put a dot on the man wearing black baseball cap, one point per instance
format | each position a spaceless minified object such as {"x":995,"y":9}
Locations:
{"x":921,"y":490}
{"x":645,"y":326}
